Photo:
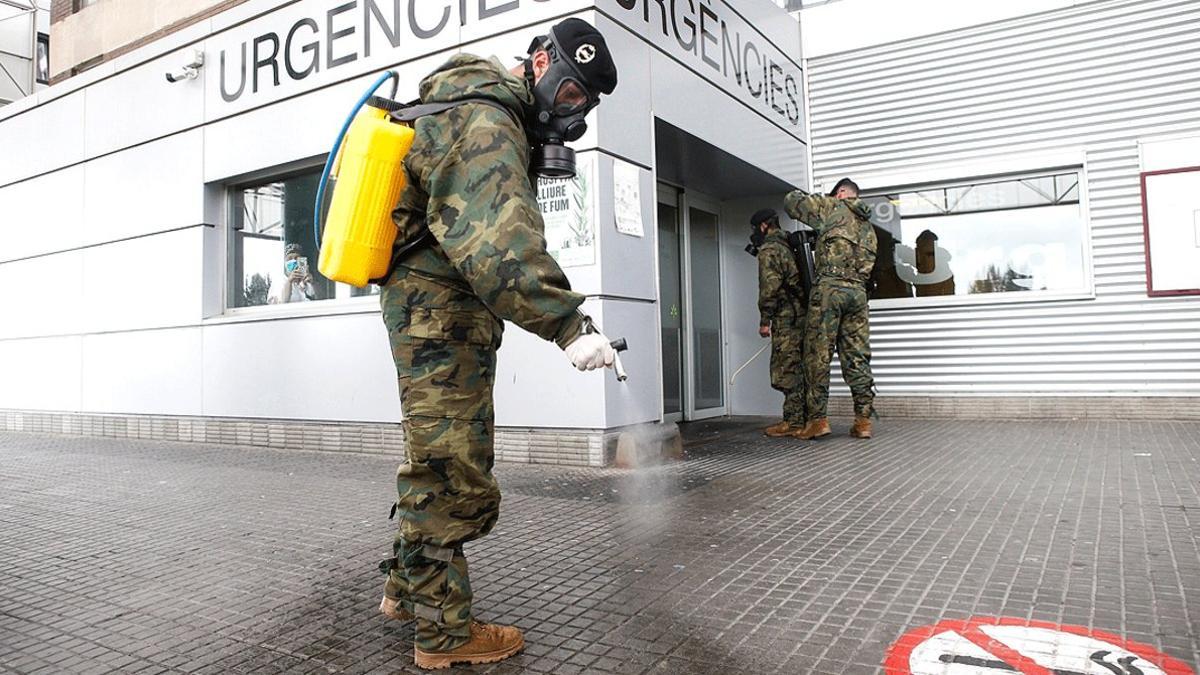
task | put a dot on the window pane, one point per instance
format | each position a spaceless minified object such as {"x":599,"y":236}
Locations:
{"x":1001,"y":236}
{"x":708,"y":388}
{"x":670,"y":303}
{"x":929,"y":202}
{"x":991,"y":195}
{"x":1036,"y":191}
{"x":1067,"y":187}
{"x":274,"y":247}
{"x":43,"y":59}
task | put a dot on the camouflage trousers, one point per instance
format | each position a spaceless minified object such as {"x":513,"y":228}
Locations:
{"x":837,"y":316}
{"x":787,"y":371}
{"x":444,"y":344}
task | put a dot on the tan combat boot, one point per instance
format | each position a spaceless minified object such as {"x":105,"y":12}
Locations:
{"x":778,"y":430}
{"x":391,"y":608}
{"x":489,"y":643}
{"x":861,"y":428}
{"x":814,"y":429}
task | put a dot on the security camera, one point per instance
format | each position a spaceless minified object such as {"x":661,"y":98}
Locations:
{"x":189,"y":71}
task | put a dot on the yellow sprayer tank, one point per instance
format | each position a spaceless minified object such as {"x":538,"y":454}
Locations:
{"x":357,"y":242}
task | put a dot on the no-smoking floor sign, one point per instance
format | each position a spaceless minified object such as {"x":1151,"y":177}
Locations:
{"x":995,"y":646}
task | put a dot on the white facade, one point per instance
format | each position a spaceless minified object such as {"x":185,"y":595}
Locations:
{"x":118,"y":193}
{"x":1108,"y":88}
{"x":117,"y":186}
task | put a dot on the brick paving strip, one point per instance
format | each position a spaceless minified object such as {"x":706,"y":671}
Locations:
{"x":752,"y":556}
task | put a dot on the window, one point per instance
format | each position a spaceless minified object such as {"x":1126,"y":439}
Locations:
{"x":274,"y":248}
{"x":42,"y":64}
{"x":80,"y":4}
{"x":1012,"y":234}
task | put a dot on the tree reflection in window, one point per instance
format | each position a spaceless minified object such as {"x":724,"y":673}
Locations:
{"x":274,"y":250}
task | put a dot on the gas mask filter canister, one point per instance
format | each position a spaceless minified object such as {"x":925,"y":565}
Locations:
{"x":756,"y":241}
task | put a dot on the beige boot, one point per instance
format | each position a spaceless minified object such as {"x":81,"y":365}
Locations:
{"x":391,"y":608}
{"x":489,"y":643}
{"x":814,"y":429}
{"x":862,"y":427}
{"x":778,"y":430}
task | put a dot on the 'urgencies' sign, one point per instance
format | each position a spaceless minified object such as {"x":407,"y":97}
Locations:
{"x":313,"y":42}
{"x":713,"y":40}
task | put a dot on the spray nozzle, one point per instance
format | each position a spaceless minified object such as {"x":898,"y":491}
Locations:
{"x":618,"y":345}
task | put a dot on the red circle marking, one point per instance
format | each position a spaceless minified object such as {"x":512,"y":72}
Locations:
{"x":896,"y":661}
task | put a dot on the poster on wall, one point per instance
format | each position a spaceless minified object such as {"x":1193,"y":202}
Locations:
{"x":627,"y":198}
{"x":1171,"y":218}
{"x":568,"y":210}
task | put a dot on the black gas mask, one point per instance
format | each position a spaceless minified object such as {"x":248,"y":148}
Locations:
{"x":757,"y":236}
{"x":561,"y":102}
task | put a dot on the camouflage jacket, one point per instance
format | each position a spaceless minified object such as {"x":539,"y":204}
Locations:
{"x":780,"y":289}
{"x":846,"y":243}
{"x":469,"y":183}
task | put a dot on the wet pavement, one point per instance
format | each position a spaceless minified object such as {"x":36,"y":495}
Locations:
{"x":1080,"y":539}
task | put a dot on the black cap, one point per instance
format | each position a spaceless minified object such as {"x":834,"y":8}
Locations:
{"x":585,"y":49}
{"x":761,"y":215}
{"x":845,"y":182}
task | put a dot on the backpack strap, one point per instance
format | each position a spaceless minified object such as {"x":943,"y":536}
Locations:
{"x":415,"y":110}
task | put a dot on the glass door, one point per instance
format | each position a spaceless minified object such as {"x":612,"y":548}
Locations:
{"x":690,"y":313}
{"x":670,"y":301}
{"x":705,"y":347}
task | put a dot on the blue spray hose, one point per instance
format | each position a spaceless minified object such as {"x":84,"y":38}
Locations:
{"x":337,"y":145}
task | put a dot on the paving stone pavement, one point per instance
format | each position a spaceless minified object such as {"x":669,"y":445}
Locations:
{"x":751,"y":556}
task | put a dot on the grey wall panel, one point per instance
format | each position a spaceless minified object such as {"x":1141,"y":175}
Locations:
{"x":638,"y":399}
{"x":41,"y":215}
{"x":47,"y":140}
{"x":633,"y":275}
{"x":625,"y":120}
{"x":41,"y":373}
{"x":1097,"y":78}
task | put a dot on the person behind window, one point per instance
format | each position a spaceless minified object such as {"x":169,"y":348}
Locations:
{"x":297,"y":282}
{"x":927,"y":267}
{"x":838,"y":309}
{"x":885,"y":276}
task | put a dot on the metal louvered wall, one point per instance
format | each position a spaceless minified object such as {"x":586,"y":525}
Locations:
{"x":1095,"y":79}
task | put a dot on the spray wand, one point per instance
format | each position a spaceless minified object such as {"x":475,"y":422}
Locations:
{"x":748,"y":361}
{"x":618,"y":345}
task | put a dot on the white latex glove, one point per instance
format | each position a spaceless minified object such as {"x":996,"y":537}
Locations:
{"x":591,"y":351}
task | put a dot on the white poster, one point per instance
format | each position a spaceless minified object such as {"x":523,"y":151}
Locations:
{"x":568,"y":209}
{"x":627,"y":198}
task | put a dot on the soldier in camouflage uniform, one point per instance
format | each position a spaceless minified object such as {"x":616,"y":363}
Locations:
{"x":472,"y":197}
{"x":781,"y":307}
{"x":838,"y":310}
